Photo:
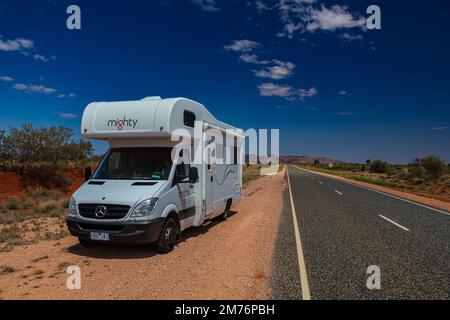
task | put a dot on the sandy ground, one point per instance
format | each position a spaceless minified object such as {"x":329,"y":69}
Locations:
{"x":224,"y":260}
{"x":406,"y":195}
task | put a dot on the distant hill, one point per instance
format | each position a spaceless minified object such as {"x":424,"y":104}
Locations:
{"x":306,"y":159}
{"x":295,"y":159}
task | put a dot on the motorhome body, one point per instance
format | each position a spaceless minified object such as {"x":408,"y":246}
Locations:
{"x":139,"y":192}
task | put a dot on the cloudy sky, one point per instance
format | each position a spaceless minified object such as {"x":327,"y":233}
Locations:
{"x":308,"y":67}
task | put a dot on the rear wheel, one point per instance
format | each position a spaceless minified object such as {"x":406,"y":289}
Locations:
{"x":168,"y":237}
{"x":86,"y":243}
{"x":226,"y":213}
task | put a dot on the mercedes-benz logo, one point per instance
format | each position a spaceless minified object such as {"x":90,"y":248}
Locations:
{"x":100,"y":212}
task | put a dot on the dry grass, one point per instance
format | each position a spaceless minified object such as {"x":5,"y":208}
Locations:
{"x":437,"y":189}
{"x":24,"y":219}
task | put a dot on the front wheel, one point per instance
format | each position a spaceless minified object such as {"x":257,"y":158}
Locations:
{"x":86,"y":243}
{"x":168,"y":237}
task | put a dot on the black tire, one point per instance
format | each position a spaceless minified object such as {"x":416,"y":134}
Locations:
{"x":86,"y":243}
{"x":168,"y":237}
{"x":226,"y":213}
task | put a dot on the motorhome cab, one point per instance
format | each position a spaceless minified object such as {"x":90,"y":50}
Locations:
{"x":147,"y":190}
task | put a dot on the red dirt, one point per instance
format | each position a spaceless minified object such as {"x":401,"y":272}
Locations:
{"x":224,"y":260}
{"x":11,"y":184}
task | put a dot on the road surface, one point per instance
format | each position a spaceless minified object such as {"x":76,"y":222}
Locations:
{"x":332,"y":231}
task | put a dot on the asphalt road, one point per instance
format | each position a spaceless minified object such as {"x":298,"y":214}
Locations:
{"x":343,"y":229}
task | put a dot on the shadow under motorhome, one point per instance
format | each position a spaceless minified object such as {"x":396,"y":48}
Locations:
{"x":146,"y":189}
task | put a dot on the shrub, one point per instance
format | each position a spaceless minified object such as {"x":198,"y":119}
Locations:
{"x":434,"y":167}
{"x":12,"y":205}
{"x":379,"y":166}
{"x":62,"y":183}
{"x":4,"y":268}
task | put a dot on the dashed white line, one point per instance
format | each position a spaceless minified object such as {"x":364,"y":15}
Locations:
{"x":320,"y":182}
{"x":340,"y":193}
{"x":394,"y":223}
{"x":380,"y":192}
{"x":301,"y":259}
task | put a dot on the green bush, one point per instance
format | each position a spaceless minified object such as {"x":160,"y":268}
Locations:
{"x":12,"y":205}
{"x":379,"y":166}
{"x":434,"y":167}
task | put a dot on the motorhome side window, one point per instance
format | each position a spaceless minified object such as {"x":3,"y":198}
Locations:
{"x":182,"y":170}
{"x":189,"y":119}
{"x":135,"y":164}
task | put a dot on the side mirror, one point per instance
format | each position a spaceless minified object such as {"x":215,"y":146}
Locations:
{"x":193,"y":175}
{"x":87,"y":173}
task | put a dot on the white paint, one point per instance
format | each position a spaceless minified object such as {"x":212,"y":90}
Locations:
{"x":320,"y":182}
{"x":301,"y":259}
{"x":381,"y":192}
{"x":340,"y":193}
{"x":394,"y":223}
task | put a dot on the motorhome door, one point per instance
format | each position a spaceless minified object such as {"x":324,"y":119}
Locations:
{"x":209,"y":141}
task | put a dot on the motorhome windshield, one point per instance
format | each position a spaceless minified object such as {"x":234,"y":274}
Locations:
{"x":135,"y":164}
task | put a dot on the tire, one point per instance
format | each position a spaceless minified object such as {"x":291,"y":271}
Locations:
{"x":87,"y":243}
{"x":168,"y":237}
{"x":226,"y":213}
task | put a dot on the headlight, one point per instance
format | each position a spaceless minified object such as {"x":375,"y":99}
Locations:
{"x":145,"y":208}
{"x":73,"y":210}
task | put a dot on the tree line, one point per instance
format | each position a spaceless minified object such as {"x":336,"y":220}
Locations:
{"x":38,"y":153}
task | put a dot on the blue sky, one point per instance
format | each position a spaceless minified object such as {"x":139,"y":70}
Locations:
{"x":309,"y":68}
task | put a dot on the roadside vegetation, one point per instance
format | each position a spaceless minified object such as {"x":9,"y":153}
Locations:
{"x":428,"y":176}
{"x":41,"y":156}
{"x":47,"y":164}
{"x":253,"y":171}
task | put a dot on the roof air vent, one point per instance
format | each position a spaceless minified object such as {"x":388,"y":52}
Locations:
{"x":151,"y":98}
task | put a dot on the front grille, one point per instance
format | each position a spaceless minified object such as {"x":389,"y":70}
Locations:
{"x":100,"y":227}
{"x":113,"y":211}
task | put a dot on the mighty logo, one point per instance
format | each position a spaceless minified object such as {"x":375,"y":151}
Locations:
{"x":121,"y":124}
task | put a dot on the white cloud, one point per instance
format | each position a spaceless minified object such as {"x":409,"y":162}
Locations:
{"x":345,"y":113}
{"x":42,"y":58}
{"x":242,"y":46}
{"x":275,"y":69}
{"x":68,"y":115}
{"x":344,"y":93}
{"x":280,"y":70}
{"x":307,"y":93}
{"x":285,"y":91}
{"x":61,"y":95}
{"x":33,"y":88}
{"x":305,"y":16}
{"x":275,"y":90}
{"x":207,"y":5}
{"x":18,"y":44}
{"x":251,"y":58}
{"x":439,"y":128}
{"x":6,"y":79}
{"x":72,"y":95}
{"x":330,"y":19}
{"x":350,"y":37}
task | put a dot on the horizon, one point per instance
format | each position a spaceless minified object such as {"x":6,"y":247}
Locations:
{"x":333,"y":88}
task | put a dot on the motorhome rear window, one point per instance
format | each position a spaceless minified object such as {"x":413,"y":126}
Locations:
{"x":135,"y":164}
{"x":189,"y":119}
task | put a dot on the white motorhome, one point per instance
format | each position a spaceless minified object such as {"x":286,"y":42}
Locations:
{"x":147,"y":189}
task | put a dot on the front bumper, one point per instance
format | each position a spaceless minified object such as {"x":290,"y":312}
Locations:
{"x":119,"y":231}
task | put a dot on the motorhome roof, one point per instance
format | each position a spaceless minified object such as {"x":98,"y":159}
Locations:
{"x":149,"y":117}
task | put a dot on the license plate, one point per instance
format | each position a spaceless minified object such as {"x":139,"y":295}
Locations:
{"x":99,"y":236}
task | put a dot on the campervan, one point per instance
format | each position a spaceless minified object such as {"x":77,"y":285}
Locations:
{"x":171,"y":165}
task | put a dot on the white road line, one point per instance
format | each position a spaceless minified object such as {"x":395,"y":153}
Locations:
{"x":393,"y":222}
{"x":381,"y":192}
{"x":320,"y":182}
{"x":301,"y":259}
{"x":339,"y":192}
